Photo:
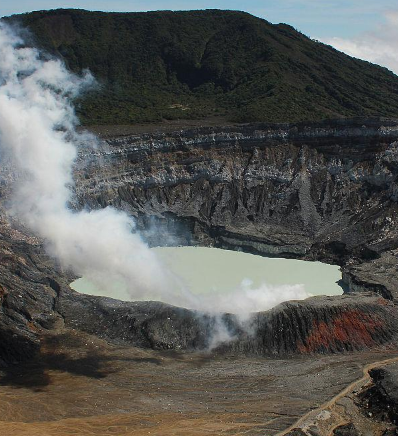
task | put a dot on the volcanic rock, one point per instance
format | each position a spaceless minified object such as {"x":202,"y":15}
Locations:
{"x":381,"y":399}
{"x":323,"y":191}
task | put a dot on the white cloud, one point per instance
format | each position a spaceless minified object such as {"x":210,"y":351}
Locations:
{"x":379,"y":46}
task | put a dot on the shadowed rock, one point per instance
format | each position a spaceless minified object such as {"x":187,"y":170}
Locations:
{"x":380,"y":400}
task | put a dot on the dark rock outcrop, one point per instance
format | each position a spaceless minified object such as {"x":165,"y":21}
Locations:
{"x":28,"y":291}
{"x":324,"y":325}
{"x":380,"y":400}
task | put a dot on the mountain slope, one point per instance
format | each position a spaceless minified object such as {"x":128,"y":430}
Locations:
{"x":157,"y":65}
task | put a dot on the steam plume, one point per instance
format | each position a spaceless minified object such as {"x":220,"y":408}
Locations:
{"x":37,"y":127}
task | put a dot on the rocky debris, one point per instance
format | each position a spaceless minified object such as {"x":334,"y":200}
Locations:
{"x":378,"y":275}
{"x":380,"y":400}
{"x":296,"y":432}
{"x":17,"y":343}
{"x":321,"y":325}
{"x":78,"y":379}
{"x":144,"y":324}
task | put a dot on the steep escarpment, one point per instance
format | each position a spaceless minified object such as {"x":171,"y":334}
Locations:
{"x":29,"y":287}
{"x":193,"y":64}
{"x":324,"y":191}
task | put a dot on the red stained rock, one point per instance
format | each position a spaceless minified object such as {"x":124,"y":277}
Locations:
{"x":352,"y":326}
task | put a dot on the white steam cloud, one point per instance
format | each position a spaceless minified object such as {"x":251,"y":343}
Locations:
{"x":378,"y":46}
{"x":37,"y":127}
{"x":246,"y":299}
{"x":37,"y":130}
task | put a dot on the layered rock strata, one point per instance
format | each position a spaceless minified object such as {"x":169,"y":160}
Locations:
{"x":324,"y":191}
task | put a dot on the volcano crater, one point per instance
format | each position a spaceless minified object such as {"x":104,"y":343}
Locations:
{"x":314,"y":191}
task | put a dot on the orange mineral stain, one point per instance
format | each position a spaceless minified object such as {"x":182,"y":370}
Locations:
{"x":352,"y":326}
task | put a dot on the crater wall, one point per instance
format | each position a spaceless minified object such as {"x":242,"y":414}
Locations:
{"x":326,"y":191}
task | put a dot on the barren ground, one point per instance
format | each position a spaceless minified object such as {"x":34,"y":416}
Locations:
{"x":81,"y":385}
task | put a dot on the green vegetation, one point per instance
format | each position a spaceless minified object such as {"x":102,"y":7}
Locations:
{"x":168,"y":65}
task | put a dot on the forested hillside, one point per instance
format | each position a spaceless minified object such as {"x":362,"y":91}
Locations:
{"x":168,"y":65}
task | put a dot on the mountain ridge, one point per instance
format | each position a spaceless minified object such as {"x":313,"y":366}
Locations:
{"x":170,"y":65}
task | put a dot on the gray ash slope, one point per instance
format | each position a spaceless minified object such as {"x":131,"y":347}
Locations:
{"x":325,"y":191}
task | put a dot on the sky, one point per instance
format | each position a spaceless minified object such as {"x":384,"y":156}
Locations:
{"x":366,"y":29}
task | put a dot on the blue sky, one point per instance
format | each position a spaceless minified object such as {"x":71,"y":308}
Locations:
{"x":366,"y":29}
{"x":316,"y":18}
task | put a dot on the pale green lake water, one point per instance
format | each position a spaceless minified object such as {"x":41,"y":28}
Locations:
{"x":211,"y":272}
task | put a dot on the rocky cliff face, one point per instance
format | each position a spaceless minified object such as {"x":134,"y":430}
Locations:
{"x":317,"y":325}
{"x":29,"y":289}
{"x":325,"y":191}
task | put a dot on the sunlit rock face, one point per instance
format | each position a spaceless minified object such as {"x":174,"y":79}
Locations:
{"x":323,"y":191}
